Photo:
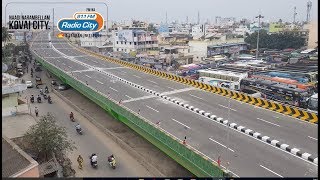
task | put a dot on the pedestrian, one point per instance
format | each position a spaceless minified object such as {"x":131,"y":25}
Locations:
{"x":80,"y":161}
{"x":219,"y":161}
{"x":36,"y":110}
{"x":184,"y":142}
{"x":139,"y":111}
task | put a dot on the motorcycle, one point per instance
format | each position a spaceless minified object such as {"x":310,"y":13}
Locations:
{"x":46,"y":91}
{"x":32,"y":99}
{"x":112,"y":165}
{"x":49,"y":101}
{"x":93,"y":164}
{"x":79,"y":131}
{"x":45,"y":96}
{"x":39,"y":99}
{"x":72,"y":118}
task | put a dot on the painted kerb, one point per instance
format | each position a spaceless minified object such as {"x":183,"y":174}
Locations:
{"x":182,"y":154}
{"x":270,"y":105}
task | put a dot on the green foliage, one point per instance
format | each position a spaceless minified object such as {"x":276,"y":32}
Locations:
{"x":46,"y":137}
{"x":275,"y":41}
{"x":152,"y":28}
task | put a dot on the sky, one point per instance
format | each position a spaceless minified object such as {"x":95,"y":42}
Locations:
{"x":177,"y":10}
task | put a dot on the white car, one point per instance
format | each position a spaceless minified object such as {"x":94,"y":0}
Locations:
{"x":29,"y":84}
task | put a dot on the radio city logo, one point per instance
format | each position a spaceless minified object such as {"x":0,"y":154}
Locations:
{"x":82,"y":21}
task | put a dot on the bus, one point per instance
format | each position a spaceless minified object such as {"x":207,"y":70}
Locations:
{"x":277,"y":91}
{"x":222,"y":78}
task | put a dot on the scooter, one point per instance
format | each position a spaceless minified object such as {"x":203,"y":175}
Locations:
{"x":39,"y":99}
{"x":32,"y":99}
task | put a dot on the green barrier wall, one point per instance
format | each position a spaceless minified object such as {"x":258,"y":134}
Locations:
{"x":194,"y":162}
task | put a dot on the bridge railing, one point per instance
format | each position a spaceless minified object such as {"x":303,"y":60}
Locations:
{"x":190,"y":158}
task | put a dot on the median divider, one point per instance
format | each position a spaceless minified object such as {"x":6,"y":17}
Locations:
{"x":266,"y":104}
{"x":190,"y":158}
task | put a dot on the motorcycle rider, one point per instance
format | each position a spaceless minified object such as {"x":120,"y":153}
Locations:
{"x":39,"y":98}
{"x":32,"y":98}
{"x":49,"y":99}
{"x":78,"y":127}
{"x":112,"y":160}
{"x":71,"y":116}
{"x":93,"y":159}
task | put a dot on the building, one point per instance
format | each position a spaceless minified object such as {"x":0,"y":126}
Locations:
{"x":199,"y":48}
{"x":276,"y":27}
{"x":17,"y":163}
{"x":11,"y":86}
{"x":229,"y":49}
{"x":134,"y":40}
{"x":312,"y":28}
{"x":197,"y":31}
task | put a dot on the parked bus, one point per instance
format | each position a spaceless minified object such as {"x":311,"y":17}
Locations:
{"x":222,"y":78}
{"x":277,"y":91}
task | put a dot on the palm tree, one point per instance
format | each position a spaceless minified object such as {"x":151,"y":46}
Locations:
{"x":5,"y":35}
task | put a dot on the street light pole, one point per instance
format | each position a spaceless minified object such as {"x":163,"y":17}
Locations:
{"x":257,"y":51}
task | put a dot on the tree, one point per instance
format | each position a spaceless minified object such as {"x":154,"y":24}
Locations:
{"x":46,"y":137}
{"x":275,"y":41}
{"x":5,"y":35}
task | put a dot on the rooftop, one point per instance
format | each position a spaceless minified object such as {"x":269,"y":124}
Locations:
{"x":12,"y":84}
{"x":14,"y":160}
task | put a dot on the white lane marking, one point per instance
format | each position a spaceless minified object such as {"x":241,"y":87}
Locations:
{"x":313,"y":138}
{"x":152,"y":108}
{"x":181,"y":123}
{"x":99,"y":82}
{"x":128,"y":96}
{"x":171,"y":88}
{"x":153,"y":82}
{"x":227,"y":107}
{"x":271,"y":171}
{"x":195,"y":96}
{"x":221,"y":144}
{"x":88,"y":76}
{"x":268,"y":122}
{"x":113,"y":89}
{"x":136,"y":76}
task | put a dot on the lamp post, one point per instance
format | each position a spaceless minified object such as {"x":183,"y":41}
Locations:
{"x":259,"y":17}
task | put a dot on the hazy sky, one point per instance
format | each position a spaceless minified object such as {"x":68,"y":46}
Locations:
{"x":155,"y":11}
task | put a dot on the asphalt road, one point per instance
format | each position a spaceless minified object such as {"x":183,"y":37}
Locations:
{"x":93,"y":140}
{"x":247,"y":157}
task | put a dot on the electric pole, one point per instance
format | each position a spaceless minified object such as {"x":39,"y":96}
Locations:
{"x":257,"y":51}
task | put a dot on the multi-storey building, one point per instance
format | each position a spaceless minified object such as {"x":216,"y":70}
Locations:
{"x":134,"y":40}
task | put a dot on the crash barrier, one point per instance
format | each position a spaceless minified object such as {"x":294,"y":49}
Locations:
{"x":193,"y":160}
{"x":271,"y":105}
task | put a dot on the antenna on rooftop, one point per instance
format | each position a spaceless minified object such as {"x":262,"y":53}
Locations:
{"x":198,"y":17}
{"x":294,"y":14}
{"x":166,"y":18}
{"x":309,"y":5}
